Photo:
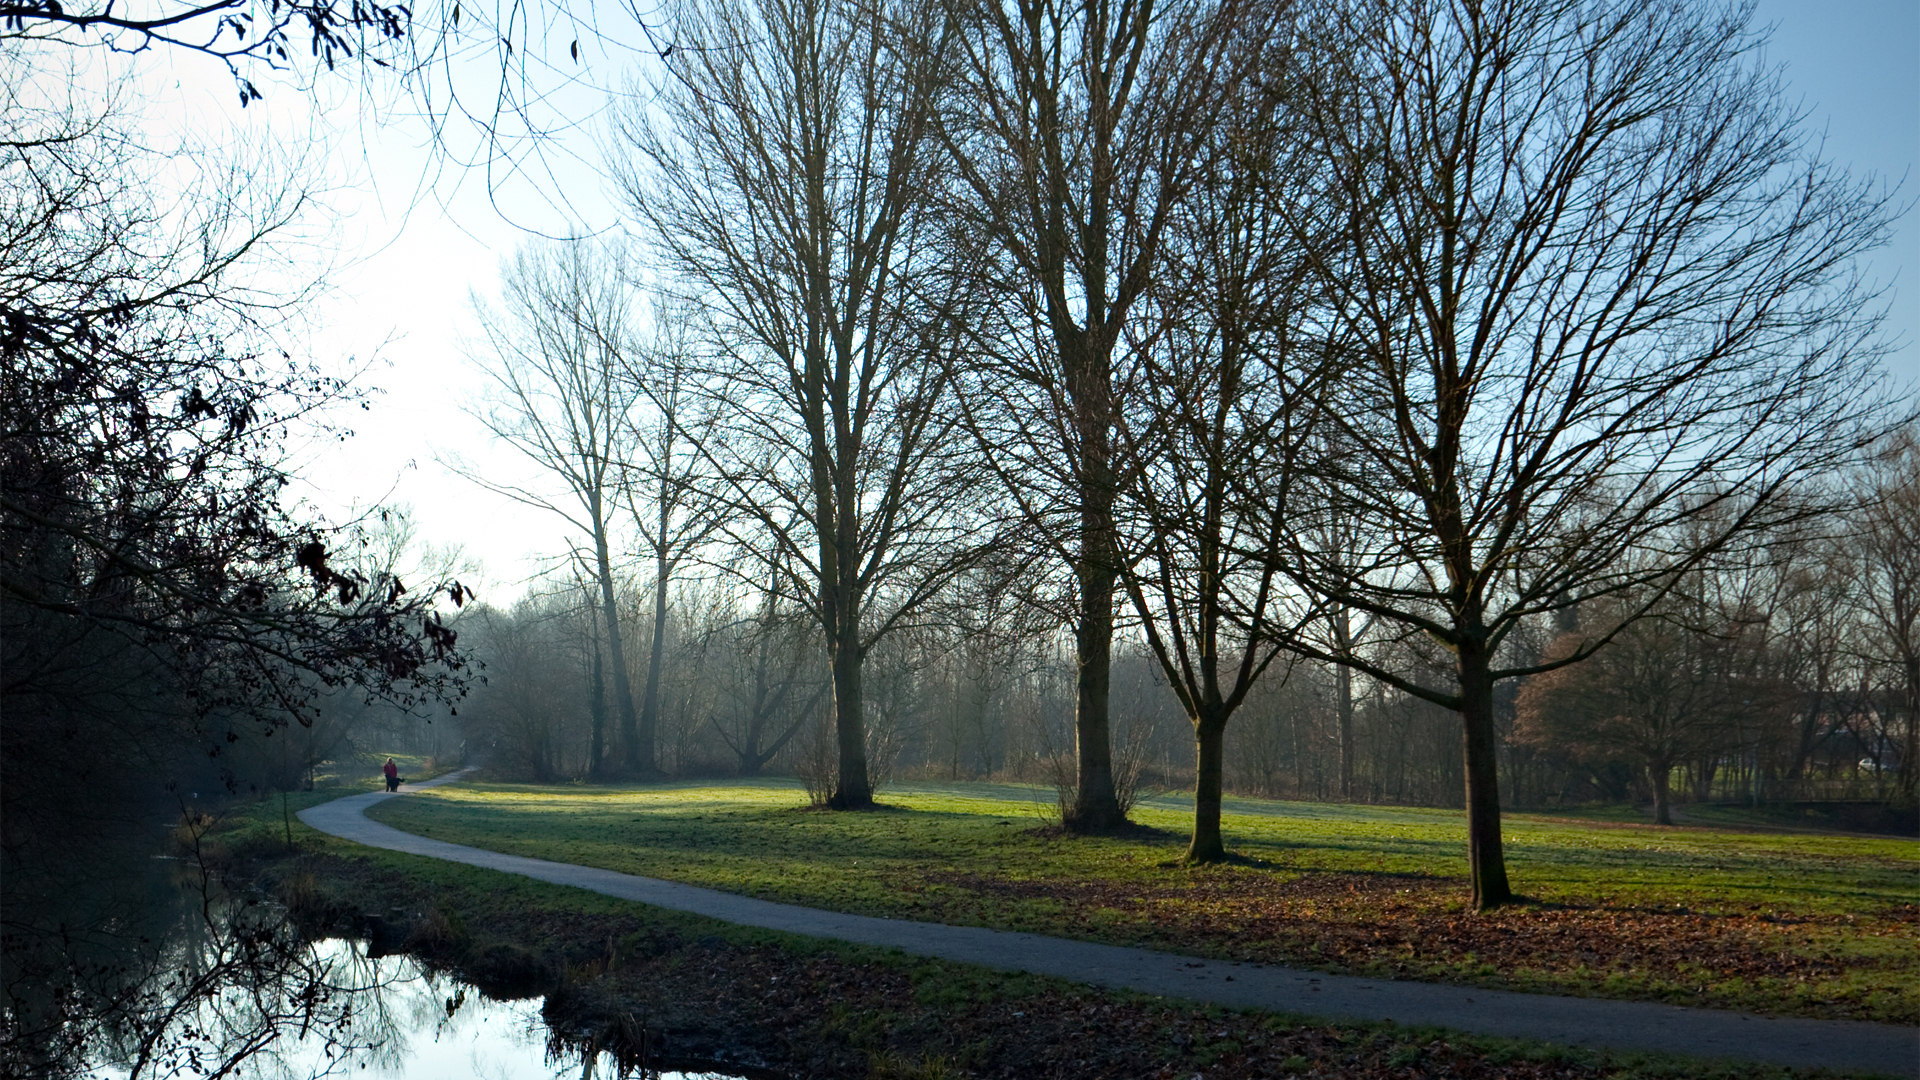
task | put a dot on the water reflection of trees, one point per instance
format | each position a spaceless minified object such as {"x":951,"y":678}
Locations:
{"x":128,"y":964}
{"x":122,"y":963}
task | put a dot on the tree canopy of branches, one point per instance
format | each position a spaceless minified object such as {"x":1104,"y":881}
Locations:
{"x":157,"y":595}
{"x":786,"y":172}
{"x":1658,"y":693}
{"x":1074,"y":128}
{"x":559,"y":351}
{"x":1220,"y":393}
{"x":246,"y":38}
{"x":1597,"y":291}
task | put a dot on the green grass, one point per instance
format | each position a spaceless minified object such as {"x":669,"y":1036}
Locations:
{"x":1799,"y":924}
{"x":847,"y":1009}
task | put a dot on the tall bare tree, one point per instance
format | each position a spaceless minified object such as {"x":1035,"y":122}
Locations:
{"x":1603,"y":290}
{"x":784,"y":165}
{"x":1075,"y":133}
{"x":664,"y":486}
{"x":1220,"y":396}
{"x":556,"y":351}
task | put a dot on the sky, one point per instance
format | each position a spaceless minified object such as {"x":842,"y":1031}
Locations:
{"x":413,"y":236}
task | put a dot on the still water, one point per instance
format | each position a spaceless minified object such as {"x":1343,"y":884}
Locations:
{"x":119,"y":964}
{"x":387,"y":1018}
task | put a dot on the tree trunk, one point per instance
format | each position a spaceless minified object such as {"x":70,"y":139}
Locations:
{"x":852,"y":789}
{"x":638,"y":755}
{"x":1343,"y":639}
{"x":1910,"y":757}
{"x":650,"y":702}
{"x":1096,"y":806}
{"x":1485,"y":856}
{"x":1703,"y":771}
{"x":597,"y":750}
{"x":1660,"y":774}
{"x":1346,"y":734}
{"x":1209,"y":735}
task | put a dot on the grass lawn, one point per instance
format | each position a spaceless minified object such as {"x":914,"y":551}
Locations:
{"x":1795,"y":924}
{"x":804,"y":1007}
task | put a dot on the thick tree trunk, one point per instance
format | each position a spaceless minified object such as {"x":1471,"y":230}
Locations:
{"x":1660,"y":774}
{"x":852,"y":789}
{"x":1209,"y":737}
{"x":1485,"y":856}
{"x":1096,"y":805}
{"x":638,"y":755}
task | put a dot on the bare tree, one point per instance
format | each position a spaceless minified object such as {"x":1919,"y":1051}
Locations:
{"x":774,"y":645}
{"x":1220,"y":398}
{"x":1075,"y":133}
{"x":1659,"y":694}
{"x":1602,"y":288}
{"x":664,"y":486}
{"x":1888,"y":542}
{"x":786,"y":171}
{"x":160,"y":595}
{"x":555,"y":351}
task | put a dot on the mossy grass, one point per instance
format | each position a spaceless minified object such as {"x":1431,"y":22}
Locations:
{"x":842,"y":1006}
{"x":1785,"y":923}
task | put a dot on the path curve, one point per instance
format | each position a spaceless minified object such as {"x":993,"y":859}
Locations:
{"x":1591,"y":1022}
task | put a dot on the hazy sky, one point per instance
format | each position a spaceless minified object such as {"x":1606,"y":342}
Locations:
{"x":403,"y":278}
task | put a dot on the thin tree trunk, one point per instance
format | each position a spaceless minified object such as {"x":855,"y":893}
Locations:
{"x":638,"y":755}
{"x":1209,"y":736}
{"x":650,"y":702}
{"x":597,"y":749}
{"x":1346,"y":734}
{"x":1703,"y":771}
{"x":1485,"y":857}
{"x":1343,"y":639}
{"x":1910,"y":759}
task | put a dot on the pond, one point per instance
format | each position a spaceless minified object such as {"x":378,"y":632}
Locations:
{"x":389,"y":1018}
{"x":120,"y":964}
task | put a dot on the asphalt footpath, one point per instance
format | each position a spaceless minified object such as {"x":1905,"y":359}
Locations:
{"x":1846,"y":1045}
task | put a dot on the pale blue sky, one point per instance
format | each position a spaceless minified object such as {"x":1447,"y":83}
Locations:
{"x":1856,"y":64}
{"x":405,"y":276}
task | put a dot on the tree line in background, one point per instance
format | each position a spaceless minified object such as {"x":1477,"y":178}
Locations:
{"x":1405,"y":395}
{"x":1776,"y":682}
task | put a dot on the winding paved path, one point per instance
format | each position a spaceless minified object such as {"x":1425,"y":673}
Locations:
{"x":1593,"y":1022}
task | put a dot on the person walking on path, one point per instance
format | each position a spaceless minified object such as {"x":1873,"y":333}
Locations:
{"x":393,"y":775}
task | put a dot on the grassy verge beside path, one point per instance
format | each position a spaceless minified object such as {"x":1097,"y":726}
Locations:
{"x":1791,"y":924}
{"x":806,"y":1008}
